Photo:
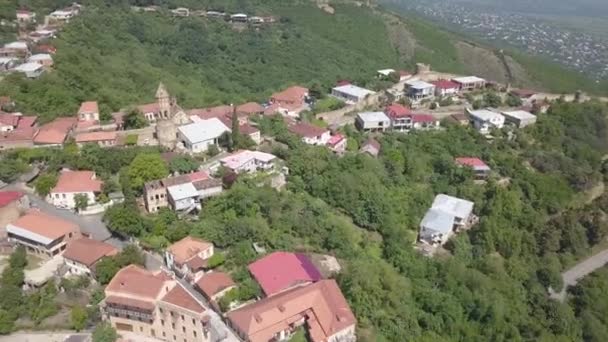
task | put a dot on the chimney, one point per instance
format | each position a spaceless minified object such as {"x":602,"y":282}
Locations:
{"x":257,"y":318}
{"x":281,"y":308}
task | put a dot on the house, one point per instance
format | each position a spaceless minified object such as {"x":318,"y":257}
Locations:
{"x":214,"y":285}
{"x":248,"y":161}
{"x":481,"y":170}
{"x":419,"y":90}
{"x":30,"y":70}
{"x":46,"y":48}
{"x":188,"y":256}
{"x":311,"y":135}
{"x":40,"y":35}
{"x":155,"y":306}
{"x":55,"y":132}
{"x":460,"y":119}
{"x":372,"y":122}
{"x":384,"y":73}
{"x":8,"y":63}
{"x":197,"y":137}
{"x":89,"y":111}
{"x":519,"y":118}
{"x":446,"y":87}
{"x":319,"y":308}
{"x":337,"y":143}
{"x":469,"y":83}
{"x":280,"y":271}
{"x":25,"y":16}
{"x":16,"y":49}
{"x":404,"y":75}
{"x":18,"y":138}
{"x":371,"y":147}
{"x":350,"y":93}
{"x":43,"y":59}
{"x":81,"y":255}
{"x":103,"y":139}
{"x":42,"y":234}
{"x":208,"y":187}
{"x":239,"y":18}
{"x":183,"y":197}
{"x":72,"y":183}
{"x":484,"y":120}
{"x":290,"y":101}
{"x":251,"y":132}
{"x":12,"y":204}
{"x":155,"y":192}
{"x":218,"y":112}
{"x":425,"y":122}
{"x":400,"y":116}
{"x":250,"y":109}
{"x":447,"y":215}
{"x":181,"y":12}
{"x":62,"y":15}
{"x":8,"y":122}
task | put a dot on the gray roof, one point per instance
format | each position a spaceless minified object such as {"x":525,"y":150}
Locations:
{"x":468,"y":79}
{"x":203,"y":130}
{"x":484,"y":114}
{"x":519,"y":114}
{"x":28,"y":67}
{"x":436,"y":221}
{"x":353,"y":90}
{"x":454,"y":206}
{"x":373,"y":116}
{"x":417,"y":84}
{"x":182,"y":191}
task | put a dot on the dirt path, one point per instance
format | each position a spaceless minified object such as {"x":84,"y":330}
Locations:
{"x":579,"y":271}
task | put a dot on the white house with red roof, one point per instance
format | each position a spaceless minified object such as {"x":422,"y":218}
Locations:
{"x":89,"y":111}
{"x":401,"y":118}
{"x":311,"y":135}
{"x":248,"y":161}
{"x":478,"y":166}
{"x":189,"y":256}
{"x":71,"y":183}
{"x":425,"y":122}
{"x":280,"y":271}
{"x":81,"y":255}
{"x":446,"y":87}
{"x":337,"y":143}
{"x":24,"y":16}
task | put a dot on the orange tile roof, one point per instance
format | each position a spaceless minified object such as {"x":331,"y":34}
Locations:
{"x":89,"y":107}
{"x":187,"y":248}
{"x":50,"y":136}
{"x":212,"y":283}
{"x":293,"y":94}
{"x":77,"y":181}
{"x":88,"y":251}
{"x":321,"y":304}
{"x":136,"y":281}
{"x":211,"y":112}
{"x":181,"y":298}
{"x":250,"y":108}
{"x":131,"y":302}
{"x":19,"y":134}
{"x":148,"y":108}
{"x":51,"y":227}
{"x":95,"y":136}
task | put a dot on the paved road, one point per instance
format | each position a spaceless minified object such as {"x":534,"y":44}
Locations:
{"x":42,"y":336}
{"x":579,"y":271}
{"x":219,"y":329}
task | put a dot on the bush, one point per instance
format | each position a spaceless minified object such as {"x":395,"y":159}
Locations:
{"x":131,"y":140}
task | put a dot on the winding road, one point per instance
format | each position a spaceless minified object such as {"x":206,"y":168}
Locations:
{"x":579,"y":271}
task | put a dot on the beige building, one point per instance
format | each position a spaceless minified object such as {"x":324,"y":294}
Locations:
{"x":154,"y":305}
{"x":189,"y":256}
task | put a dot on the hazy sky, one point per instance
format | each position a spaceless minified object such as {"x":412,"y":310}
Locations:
{"x":593,"y":8}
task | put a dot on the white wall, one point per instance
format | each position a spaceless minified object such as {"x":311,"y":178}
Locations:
{"x":66,"y":199}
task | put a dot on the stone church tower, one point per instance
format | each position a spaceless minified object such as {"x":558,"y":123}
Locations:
{"x":164,"y":101}
{"x":169,"y":116}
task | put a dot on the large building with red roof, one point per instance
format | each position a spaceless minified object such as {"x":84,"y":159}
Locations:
{"x":12,"y":203}
{"x":319,"y":308}
{"x":446,"y":87}
{"x":401,"y":117}
{"x":72,"y":183}
{"x":280,"y":271}
{"x":154,"y":305}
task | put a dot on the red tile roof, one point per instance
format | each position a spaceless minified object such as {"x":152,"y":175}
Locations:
{"x":148,"y":108}
{"x":55,"y":131}
{"x":95,"y":137}
{"x":18,"y":135}
{"x":187,"y":248}
{"x":45,"y":48}
{"x":335,"y":139}
{"x":306,"y":130}
{"x":7,"y":197}
{"x":51,"y":227}
{"x":197,"y":176}
{"x":77,"y":181}
{"x":214,"y":282}
{"x":26,"y":121}
{"x":472,"y":162}
{"x":88,"y":251}
{"x":397,"y":111}
{"x":8,"y":119}
{"x":294,"y":95}
{"x":250,"y":108}
{"x":445,"y":84}
{"x":179,"y":297}
{"x":211,"y":112}
{"x":279,"y":271}
{"x":322,"y":305}
{"x":136,"y":281}
{"x":247,"y":129}
{"x":423,"y":118}
{"x":89,"y":107}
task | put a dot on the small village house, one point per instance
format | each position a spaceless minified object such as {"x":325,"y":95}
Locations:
{"x":484,"y":120}
{"x":19,"y":138}
{"x":469,"y":83}
{"x":385,"y":73}
{"x":371,"y":147}
{"x":519,"y":118}
{"x":89,"y":111}
{"x":81,"y":255}
{"x":198,"y":136}
{"x":372,"y":122}
{"x":8,"y":63}
{"x":18,"y":49}
{"x":55,"y":132}
{"x":156,"y":195}
{"x":400,"y":116}
{"x":447,"y":215}
{"x":153,"y":305}
{"x":418,"y":90}
{"x":214,"y":285}
{"x":290,"y":101}
{"x":72,"y":183}
{"x":446,"y":88}
{"x":183,"y":197}
{"x":103,"y":139}
{"x":189,"y":256}
{"x":42,"y":234}
{"x":337,"y":143}
{"x":311,"y":135}
{"x":43,"y":59}
{"x":480,"y":169}
{"x":30,"y":70}
{"x":248,"y":161}
{"x":25,"y":16}
{"x":350,"y":93}
{"x":280,"y":271}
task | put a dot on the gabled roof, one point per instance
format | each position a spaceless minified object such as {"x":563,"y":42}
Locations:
{"x":250,"y":108}
{"x":7,"y":197}
{"x":77,"y":181}
{"x":95,"y":136}
{"x":214,"y":282}
{"x":179,"y":297}
{"x":396,"y":110}
{"x":322,"y":305}
{"x":42,"y":226}
{"x":187,"y":248}
{"x":423,"y":118}
{"x":279,"y":271}
{"x":291,"y":94}
{"x":148,"y":108}
{"x":472,"y":162}
{"x":88,"y":251}
{"x":211,"y":112}
{"x":445,"y":84}
{"x":8,"y":119}
{"x":203,"y":130}
{"x":306,"y":130}
{"x":135,"y":281}
{"x":89,"y":107}
{"x":335,"y":139}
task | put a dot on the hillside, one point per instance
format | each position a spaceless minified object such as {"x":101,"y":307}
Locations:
{"x":207,"y":62}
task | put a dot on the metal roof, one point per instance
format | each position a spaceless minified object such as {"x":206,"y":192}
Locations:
{"x":373,"y":116}
{"x":353,"y":90}
{"x":484,"y":114}
{"x":468,"y":79}
{"x":436,"y":221}
{"x":454,"y":206}
{"x":519,"y":114}
{"x":182,"y":191}
{"x":203,"y":130}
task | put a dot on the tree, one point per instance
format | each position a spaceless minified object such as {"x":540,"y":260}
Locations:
{"x":236,"y":132}
{"x":45,"y":183}
{"x":183,"y":164}
{"x":491,"y":99}
{"x":146,"y":167}
{"x":134,"y":119}
{"x":213,"y":150}
{"x":225,"y":141}
{"x":104,"y":333}
{"x":216,"y":260}
{"x":81,"y":201}
{"x":78,"y":317}
{"x":513,"y":101}
{"x":124,"y":218}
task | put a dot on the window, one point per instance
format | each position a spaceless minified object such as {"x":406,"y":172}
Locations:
{"x":160,"y":310}
{"x":173,"y":326}
{"x":193,"y":321}
{"x":182,"y":317}
{"x":174,"y":338}
{"x":184,"y":330}
{"x":164,"y":335}
{"x":162,"y":322}
{"x":141,"y":329}
{"x":63,"y":195}
{"x":194,"y":333}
